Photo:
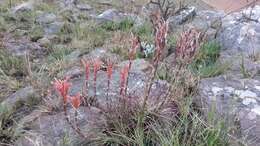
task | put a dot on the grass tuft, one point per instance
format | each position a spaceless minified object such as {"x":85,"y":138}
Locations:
{"x":206,"y":62}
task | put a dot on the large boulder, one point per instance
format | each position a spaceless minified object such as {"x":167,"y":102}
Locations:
{"x":24,"y":7}
{"x":241,"y":32}
{"x":53,"y":129}
{"x":104,"y":55}
{"x":235,"y":100}
{"x":49,"y":130}
{"x":208,"y":22}
{"x":12,"y":102}
{"x":46,"y":18}
{"x":183,"y":16}
{"x":23,"y":46}
{"x":113,"y":15}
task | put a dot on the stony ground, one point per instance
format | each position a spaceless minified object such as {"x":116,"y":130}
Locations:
{"x":44,"y":39}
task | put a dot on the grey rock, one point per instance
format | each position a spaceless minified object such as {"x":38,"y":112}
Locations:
{"x":24,"y":7}
{"x":50,"y":130}
{"x":74,"y":72}
{"x":21,"y":96}
{"x":183,"y":16}
{"x":135,"y":91}
{"x":234,"y":100}
{"x":53,"y":28}
{"x":104,"y":55}
{"x":22,"y":46}
{"x":46,"y":18}
{"x":105,"y":2}
{"x":138,"y":65}
{"x":73,"y":56}
{"x":237,"y":61}
{"x":113,"y":15}
{"x":241,"y":32}
{"x":206,"y":21}
{"x":110,"y":15}
{"x":44,"y":42}
{"x":83,"y":7}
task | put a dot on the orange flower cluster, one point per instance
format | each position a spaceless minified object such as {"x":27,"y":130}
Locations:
{"x":75,"y":101}
{"x":87,"y":68}
{"x":62,"y":86}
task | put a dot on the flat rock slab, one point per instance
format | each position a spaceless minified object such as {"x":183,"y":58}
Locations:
{"x":50,"y":130}
{"x":23,"y":46}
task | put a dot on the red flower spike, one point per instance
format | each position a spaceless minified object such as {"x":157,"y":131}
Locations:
{"x":123,"y":77}
{"x":109,"y":70}
{"x":97,"y":65}
{"x":187,"y":45}
{"x":135,"y":45}
{"x":75,"y":101}
{"x":87,"y":68}
{"x":160,"y":37}
{"x":62,"y":86}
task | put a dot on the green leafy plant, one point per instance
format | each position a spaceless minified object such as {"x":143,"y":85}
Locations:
{"x":11,"y":65}
{"x":206,"y":61}
{"x":124,"y":25}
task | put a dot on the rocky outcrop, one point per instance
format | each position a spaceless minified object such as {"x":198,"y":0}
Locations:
{"x":104,"y":55}
{"x":24,"y":7}
{"x":241,"y":32}
{"x":236,"y":101}
{"x":50,"y":130}
{"x":235,"y":96}
{"x":53,"y":129}
{"x":113,"y":15}
{"x":23,"y":46}
{"x":12,"y":102}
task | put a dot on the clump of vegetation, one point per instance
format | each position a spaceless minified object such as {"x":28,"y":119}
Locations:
{"x":36,"y":33}
{"x":124,"y":25}
{"x":134,"y":123}
{"x":11,"y":65}
{"x":145,"y":32}
{"x":206,"y":62}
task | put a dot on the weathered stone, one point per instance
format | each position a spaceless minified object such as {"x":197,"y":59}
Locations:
{"x":46,"y":18}
{"x":73,"y":72}
{"x":26,"y":6}
{"x":53,"y":28}
{"x":183,"y":16}
{"x":138,"y":65}
{"x":241,"y":32}
{"x":110,"y":15}
{"x":136,"y":89}
{"x":104,"y":55}
{"x":236,"y":101}
{"x":208,"y":22}
{"x":22,"y":46}
{"x":105,"y":2}
{"x":44,"y":42}
{"x":51,"y":130}
{"x":83,"y":7}
{"x":21,"y":96}
{"x":113,"y":15}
